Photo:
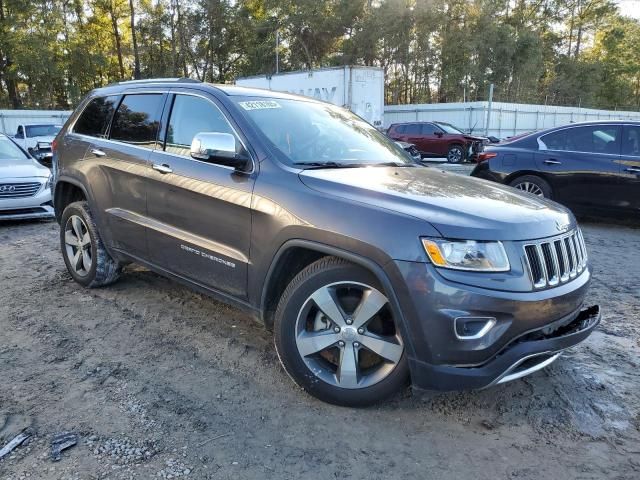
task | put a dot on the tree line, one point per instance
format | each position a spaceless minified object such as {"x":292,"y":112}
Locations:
{"x":570,"y":52}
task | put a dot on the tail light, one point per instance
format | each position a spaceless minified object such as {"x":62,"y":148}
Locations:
{"x":484,"y":156}
{"x":54,"y":145}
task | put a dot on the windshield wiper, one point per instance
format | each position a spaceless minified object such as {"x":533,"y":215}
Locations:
{"x":318,"y":165}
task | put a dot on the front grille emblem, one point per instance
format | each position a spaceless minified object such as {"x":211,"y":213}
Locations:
{"x":7,"y":188}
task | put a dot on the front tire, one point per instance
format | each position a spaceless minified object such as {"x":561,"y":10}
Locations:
{"x":455,"y":154}
{"x":336,"y":336}
{"x":84,"y":254}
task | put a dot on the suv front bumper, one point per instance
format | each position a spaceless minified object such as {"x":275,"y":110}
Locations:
{"x":528,"y":329}
{"x":520,"y":358}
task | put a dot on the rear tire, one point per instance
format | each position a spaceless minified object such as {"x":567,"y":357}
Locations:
{"x":343,"y":353}
{"x":84,"y":254}
{"x":532,"y":184}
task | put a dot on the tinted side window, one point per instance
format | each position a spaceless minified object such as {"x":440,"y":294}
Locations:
{"x":191,"y":115}
{"x":401,"y":129}
{"x":413,"y":129}
{"x":595,"y":139}
{"x":137,"y":120}
{"x":95,"y":118}
{"x":429,"y":129}
{"x":631,"y":141}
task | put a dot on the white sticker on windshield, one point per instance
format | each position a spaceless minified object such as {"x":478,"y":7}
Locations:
{"x":259,"y":104}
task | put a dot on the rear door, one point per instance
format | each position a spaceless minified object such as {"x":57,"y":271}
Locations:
{"x":120,"y":183}
{"x":201,"y":211}
{"x":582,"y":164}
{"x":630,"y":168}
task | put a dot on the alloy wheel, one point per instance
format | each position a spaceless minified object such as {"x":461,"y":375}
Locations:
{"x":346,"y":335}
{"x":454,"y":155}
{"x":530,"y":187}
{"x":78,"y":245}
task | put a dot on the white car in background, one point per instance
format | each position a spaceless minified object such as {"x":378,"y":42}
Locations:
{"x":25,"y":184}
{"x":36,"y":139}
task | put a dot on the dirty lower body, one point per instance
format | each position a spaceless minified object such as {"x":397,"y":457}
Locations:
{"x":158,"y":381}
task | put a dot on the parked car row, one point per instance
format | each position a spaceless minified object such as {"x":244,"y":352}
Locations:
{"x":369,"y":269}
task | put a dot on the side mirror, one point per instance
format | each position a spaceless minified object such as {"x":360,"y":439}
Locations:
{"x":439,"y":134}
{"x":219,"y":148}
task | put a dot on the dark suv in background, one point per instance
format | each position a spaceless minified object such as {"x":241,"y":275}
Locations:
{"x":592,"y":167}
{"x":438,"y":139}
{"x":367,"y":267}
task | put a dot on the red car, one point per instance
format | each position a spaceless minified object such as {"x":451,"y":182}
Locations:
{"x":438,"y":139}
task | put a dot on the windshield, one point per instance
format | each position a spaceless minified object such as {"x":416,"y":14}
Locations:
{"x":317,"y":134}
{"x":42,"y":130}
{"x":448,"y":128}
{"x":9,"y":150}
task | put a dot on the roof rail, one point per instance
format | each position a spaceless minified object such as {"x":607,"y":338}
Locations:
{"x":159,"y":80}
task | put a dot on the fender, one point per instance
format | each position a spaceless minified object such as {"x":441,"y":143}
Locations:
{"x":76,"y":183}
{"x":364,"y":262}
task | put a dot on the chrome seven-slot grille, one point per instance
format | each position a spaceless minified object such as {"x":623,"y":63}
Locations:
{"x":19,"y":190}
{"x":557,"y":260}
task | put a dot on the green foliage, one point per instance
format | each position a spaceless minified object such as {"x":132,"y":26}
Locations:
{"x":573,"y":52}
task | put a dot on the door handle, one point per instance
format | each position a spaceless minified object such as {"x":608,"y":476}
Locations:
{"x":164,"y":168}
{"x":98,"y":153}
{"x":633,"y":169}
{"x":551,"y":161}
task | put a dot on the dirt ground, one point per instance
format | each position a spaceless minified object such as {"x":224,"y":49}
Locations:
{"x":161,"y":382}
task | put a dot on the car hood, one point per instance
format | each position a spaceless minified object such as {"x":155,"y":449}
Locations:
{"x":474,"y":138}
{"x":21,"y":168}
{"x":457,"y":206}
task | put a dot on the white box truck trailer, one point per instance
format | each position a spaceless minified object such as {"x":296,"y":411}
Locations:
{"x":360,"y":89}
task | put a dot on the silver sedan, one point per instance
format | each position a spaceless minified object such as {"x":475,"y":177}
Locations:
{"x":25,"y":184}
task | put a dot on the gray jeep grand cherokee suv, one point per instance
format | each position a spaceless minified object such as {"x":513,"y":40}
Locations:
{"x":368,"y":268}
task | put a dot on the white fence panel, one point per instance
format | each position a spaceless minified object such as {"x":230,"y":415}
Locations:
{"x":506,"y":119}
{"x":10,"y":119}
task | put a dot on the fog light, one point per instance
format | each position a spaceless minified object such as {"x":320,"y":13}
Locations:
{"x":472,"y":328}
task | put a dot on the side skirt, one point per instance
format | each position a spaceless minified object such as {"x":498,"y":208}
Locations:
{"x":246,"y":307}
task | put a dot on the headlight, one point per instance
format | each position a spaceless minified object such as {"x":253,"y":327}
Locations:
{"x":467,"y":255}
{"x":49,"y":183}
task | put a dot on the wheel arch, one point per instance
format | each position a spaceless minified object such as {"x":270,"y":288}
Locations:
{"x":521,"y":173}
{"x":67,"y":190}
{"x":274,"y":279}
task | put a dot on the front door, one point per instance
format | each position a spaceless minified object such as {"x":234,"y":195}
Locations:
{"x":435,"y":140}
{"x":582,"y":164}
{"x":200,"y":212}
